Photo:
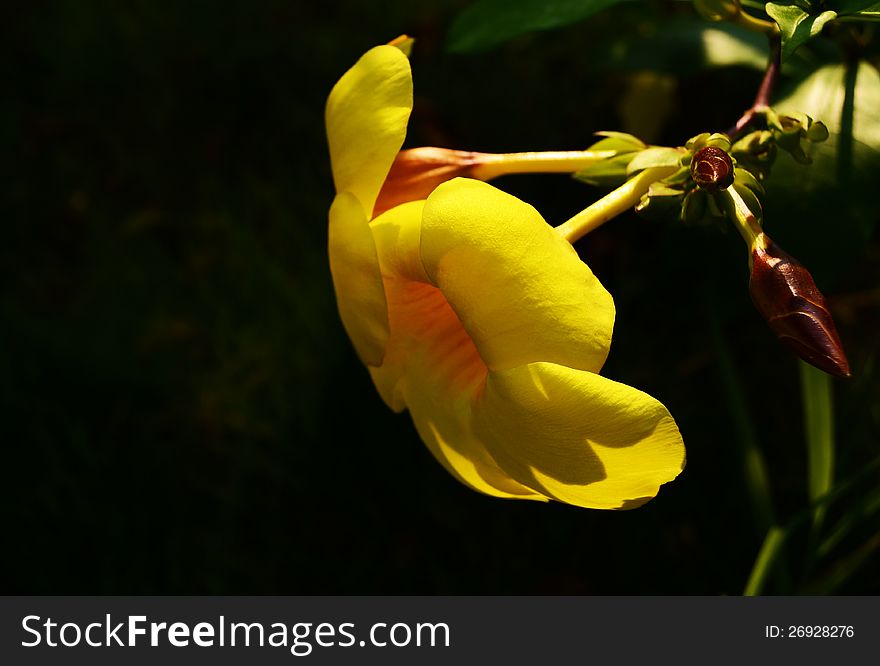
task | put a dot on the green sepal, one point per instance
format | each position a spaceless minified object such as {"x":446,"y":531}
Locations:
{"x":660,"y":201}
{"x":817,"y":132}
{"x":609,"y":172}
{"x":696,"y":142}
{"x":744,"y":178}
{"x":619,"y":142}
{"x":789,"y":130}
{"x":681,"y":177}
{"x":756,"y":152}
{"x":655,"y":157}
{"x":713,"y":210}
{"x":716,"y":140}
{"x":719,"y":140}
{"x":694,"y":208}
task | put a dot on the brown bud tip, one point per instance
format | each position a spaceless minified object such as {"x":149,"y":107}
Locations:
{"x":417,"y":172}
{"x":786,"y":296}
{"x":712,"y":169}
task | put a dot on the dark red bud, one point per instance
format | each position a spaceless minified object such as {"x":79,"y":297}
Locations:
{"x":417,"y":172}
{"x":712,"y":169}
{"x":786,"y":296}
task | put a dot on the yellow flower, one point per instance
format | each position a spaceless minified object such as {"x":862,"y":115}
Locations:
{"x":479,"y":318}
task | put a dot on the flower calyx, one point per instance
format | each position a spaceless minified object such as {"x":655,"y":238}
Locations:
{"x":614,"y":169}
{"x":697,"y":190}
{"x":791,"y":132}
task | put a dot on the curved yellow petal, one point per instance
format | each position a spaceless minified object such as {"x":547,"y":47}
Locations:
{"x":442,"y":413}
{"x":578,"y":437}
{"x":431,"y":366}
{"x":357,"y":280}
{"x":397,"y":235}
{"x":366,"y":118}
{"x":519,"y":289}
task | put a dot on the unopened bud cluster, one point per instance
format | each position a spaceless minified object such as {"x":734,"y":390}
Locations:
{"x":791,"y":132}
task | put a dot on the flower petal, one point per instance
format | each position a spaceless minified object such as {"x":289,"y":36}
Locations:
{"x":442,"y":413}
{"x":578,"y":437}
{"x":397,"y":235}
{"x":431,"y":365}
{"x":366,"y":118}
{"x":520,"y":290}
{"x":357,"y":280}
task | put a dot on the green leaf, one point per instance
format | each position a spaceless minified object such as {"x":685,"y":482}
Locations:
{"x":796,"y":25}
{"x":654,"y":157}
{"x":619,"y":141}
{"x":682,"y":46}
{"x":818,"y":405}
{"x":872,"y":12}
{"x":488,"y":23}
{"x":765,"y":562}
{"x":857,"y":7}
{"x":840,"y":185}
{"x":863,"y":510}
{"x":846,"y":568}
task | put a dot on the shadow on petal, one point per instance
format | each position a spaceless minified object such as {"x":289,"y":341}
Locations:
{"x":577,"y":436}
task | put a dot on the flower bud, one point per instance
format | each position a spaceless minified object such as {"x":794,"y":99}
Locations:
{"x":756,"y":151}
{"x":417,"y":172}
{"x":712,"y":169}
{"x":784,"y":293}
{"x":790,"y":130}
{"x":693,"y":207}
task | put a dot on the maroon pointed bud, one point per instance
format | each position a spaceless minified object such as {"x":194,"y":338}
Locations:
{"x":786,"y":296}
{"x":712,"y":169}
{"x":418,"y":171}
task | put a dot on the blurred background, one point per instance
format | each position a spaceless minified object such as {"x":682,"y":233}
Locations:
{"x":182,"y":411}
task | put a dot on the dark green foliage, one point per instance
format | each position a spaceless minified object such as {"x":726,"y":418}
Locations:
{"x":181,"y":409}
{"x":488,"y":23}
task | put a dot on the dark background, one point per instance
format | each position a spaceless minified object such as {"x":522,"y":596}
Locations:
{"x":181,"y":409}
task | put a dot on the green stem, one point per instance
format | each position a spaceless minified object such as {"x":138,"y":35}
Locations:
{"x":754,"y":467}
{"x":742,"y":216}
{"x":612,"y":204}
{"x":765,"y":561}
{"x":819,"y":428}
